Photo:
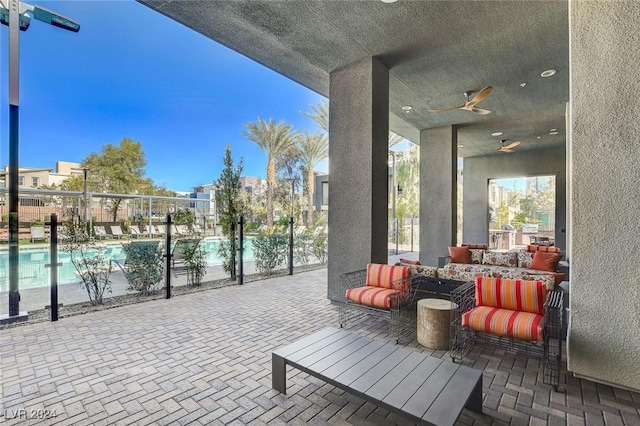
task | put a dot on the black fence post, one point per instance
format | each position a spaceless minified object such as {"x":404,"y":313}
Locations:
{"x":240,"y":250}
{"x":53,"y":264}
{"x":167,"y":254}
{"x":291,"y":245}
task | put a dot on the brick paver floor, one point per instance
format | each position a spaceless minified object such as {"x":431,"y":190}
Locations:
{"x":205,"y":358}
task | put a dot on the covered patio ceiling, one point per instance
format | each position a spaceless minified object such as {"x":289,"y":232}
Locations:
{"x":435,"y":50}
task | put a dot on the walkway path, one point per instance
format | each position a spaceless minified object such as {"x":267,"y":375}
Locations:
{"x":205,"y":358}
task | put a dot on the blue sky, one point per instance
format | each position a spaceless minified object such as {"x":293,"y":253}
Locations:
{"x":132,"y":72}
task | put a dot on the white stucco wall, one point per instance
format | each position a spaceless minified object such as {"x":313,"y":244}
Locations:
{"x":604,"y":339}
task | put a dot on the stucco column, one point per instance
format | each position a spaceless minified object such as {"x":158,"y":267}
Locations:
{"x":358,"y":145}
{"x":438,"y":192}
{"x":604,"y":330}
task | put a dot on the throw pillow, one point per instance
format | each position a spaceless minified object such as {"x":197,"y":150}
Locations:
{"x":410,"y":262}
{"x":476,"y":256}
{"x":524,"y":259}
{"x":459,"y":255}
{"x":543,"y":261}
{"x":532,"y":248}
{"x":494,"y":258}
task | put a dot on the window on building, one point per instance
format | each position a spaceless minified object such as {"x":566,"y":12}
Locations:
{"x":35,"y":181}
{"x":325,"y":193}
{"x":20,"y":180}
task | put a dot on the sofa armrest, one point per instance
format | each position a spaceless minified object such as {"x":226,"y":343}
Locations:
{"x":443,"y":260}
{"x":553,"y":306}
{"x":353,"y":279}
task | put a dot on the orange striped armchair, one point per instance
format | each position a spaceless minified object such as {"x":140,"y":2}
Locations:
{"x":380,"y":290}
{"x":516,"y":315}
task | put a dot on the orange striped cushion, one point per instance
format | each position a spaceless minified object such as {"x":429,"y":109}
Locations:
{"x":505,"y":322}
{"x":532,"y":248}
{"x":507,"y":293}
{"x":475,"y":246}
{"x":374,"y":297}
{"x":384,"y":275}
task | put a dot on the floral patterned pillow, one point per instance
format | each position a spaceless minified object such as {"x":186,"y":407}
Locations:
{"x":476,"y":256}
{"x":524,"y":259}
{"x":500,"y":259}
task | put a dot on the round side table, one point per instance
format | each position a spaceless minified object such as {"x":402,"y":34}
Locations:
{"x":434,"y":318}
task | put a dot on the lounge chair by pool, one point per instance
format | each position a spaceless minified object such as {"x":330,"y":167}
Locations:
{"x":134,"y":231}
{"x":99,"y":231}
{"x":116,"y":231}
{"x":37,"y":234}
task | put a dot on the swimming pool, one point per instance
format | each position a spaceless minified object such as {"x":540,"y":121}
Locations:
{"x":33,"y":272}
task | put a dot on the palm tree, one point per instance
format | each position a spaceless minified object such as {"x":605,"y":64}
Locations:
{"x":313,"y":149}
{"x":273,"y":139}
{"x":394,"y":139}
{"x":319,"y":114}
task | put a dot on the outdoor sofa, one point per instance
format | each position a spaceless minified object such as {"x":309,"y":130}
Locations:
{"x":469,"y":261}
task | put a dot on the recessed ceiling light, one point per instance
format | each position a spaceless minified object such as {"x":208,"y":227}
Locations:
{"x":523,"y":84}
{"x":460,"y":146}
{"x":538,"y":137}
{"x":389,"y":1}
{"x":553,"y":130}
{"x":548,"y":73}
{"x":496,"y":134}
{"x":553,"y":133}
{"x":407,"y":108}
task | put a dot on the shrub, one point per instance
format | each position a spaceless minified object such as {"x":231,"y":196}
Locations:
{"x":320,"y":247}
{"x":184,"y":217}
{"x":196,"y":266}
{"x":228,"y":254}
{"x":302,"y":248}
{"x":143,"y":267}
{"x":90,"y":261}
{"x":269,"y":252}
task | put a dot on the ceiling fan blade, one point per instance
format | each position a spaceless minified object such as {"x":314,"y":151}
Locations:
{"x":479,"y":110}
{"x":480,"y":96}
{"x":513,"y":144}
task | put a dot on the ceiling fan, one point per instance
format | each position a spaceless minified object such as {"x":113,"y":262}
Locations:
{"x":508,"y":148}
{"x":470,"y":104}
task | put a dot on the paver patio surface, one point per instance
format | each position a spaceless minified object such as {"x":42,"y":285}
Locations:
{"x":205,"y":358}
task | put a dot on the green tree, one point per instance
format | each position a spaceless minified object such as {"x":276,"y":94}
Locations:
{"x":503,"y":215}
{"x":313,"y":149}
{"x":229,"y":207}
{"x":274,"y":140}
{"x":289,"y":168}
{"x":116,"y":170}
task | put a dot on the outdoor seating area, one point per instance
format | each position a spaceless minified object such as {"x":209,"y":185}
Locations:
{"x":465,"y":263}
{"x":381,"y":290}
{"x":218,"y":367}
{"x":514,"y":315}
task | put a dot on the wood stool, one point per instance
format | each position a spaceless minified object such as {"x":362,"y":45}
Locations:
{"x":433,"y":323}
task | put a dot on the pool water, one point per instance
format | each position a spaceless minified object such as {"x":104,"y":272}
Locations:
{"x":34,"y":273}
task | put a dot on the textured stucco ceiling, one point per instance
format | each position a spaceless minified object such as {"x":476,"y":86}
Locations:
{"x":435,"y":50}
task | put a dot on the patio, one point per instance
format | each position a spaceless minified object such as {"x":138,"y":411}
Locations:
{"x":205,"y":358}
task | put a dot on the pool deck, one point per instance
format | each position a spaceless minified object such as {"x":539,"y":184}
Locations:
{"x":205,"y":358}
